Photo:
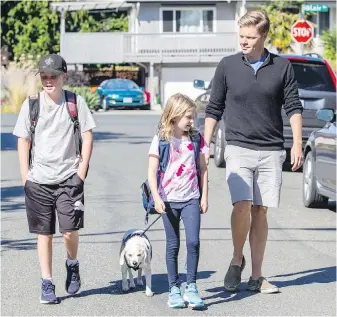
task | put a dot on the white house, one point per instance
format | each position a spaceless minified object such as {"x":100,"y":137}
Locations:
{"x":176,"y":41}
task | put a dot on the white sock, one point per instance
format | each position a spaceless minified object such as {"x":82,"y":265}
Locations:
{"x":70,"y":262}
{"x":48,"y":279}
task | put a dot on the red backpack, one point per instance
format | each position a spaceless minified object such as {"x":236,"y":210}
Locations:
{"x":71,"y":103}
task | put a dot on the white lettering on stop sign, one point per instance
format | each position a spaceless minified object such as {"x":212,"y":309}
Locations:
{"x":302,"y":32}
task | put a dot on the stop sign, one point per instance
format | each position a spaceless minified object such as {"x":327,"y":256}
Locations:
{"x":302,"y":31}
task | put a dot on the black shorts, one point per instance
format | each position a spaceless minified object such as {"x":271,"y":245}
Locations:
{"x":43,"y":201}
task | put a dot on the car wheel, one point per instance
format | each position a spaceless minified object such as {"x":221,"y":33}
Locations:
{"x":219,"y":148}
{"x":104,"y":104}
{"x":146,"y":107}
{"x":310,"y":196}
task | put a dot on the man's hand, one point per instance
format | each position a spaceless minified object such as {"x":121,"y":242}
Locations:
{"x":296,"y":157}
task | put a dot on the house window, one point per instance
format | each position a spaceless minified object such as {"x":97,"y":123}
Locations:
{"x":320,"y":21}
{"x":200,"y":20}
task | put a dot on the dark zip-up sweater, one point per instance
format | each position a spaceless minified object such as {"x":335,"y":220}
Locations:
{"x":253,"y":102}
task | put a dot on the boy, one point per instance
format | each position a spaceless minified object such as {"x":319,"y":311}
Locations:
{"x":53,"y":170}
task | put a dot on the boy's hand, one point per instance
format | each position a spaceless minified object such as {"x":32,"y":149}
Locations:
{"x":81,"y":176}
{"x":24,"y":180}
{"x":203,"y":205}
{"x":159,"y":206}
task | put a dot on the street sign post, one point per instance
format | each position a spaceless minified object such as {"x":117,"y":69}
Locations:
{"x":302,"y":32}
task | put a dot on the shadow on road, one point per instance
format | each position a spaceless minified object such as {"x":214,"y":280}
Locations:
{"x":322,"y":275}
{"x":159,"y":286}
{"x":121,"y":137}
{"x":7,"y":196}
{"x":102,"y":136}
{"x":8,"y":142}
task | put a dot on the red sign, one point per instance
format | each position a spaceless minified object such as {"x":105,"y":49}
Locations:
{"x":302,"y":32}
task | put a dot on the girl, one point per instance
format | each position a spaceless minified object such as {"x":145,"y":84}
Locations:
{"x":178,"y":195}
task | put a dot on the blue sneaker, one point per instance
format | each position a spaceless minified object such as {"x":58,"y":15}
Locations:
{"x":73,"y":282}
{"x":175,"y":299}
{"x":192,"y":297}
{"x":48,"y":293}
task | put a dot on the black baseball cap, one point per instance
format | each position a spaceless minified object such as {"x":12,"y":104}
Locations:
{"x":52,"y":63}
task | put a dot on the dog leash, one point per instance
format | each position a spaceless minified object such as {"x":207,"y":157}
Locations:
{"x":151,"y":224}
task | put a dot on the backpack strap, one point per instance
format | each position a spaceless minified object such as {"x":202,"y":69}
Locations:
{"x":71,"y":102}
{"x":164,"y":154}
{"x":34,"y":111}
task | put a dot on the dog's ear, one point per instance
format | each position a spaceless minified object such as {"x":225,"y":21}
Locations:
{"x":145,"y":253}
{"x":147,"y":244}
{"x":122,"y":257}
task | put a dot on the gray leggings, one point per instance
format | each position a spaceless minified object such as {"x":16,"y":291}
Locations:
{"x":189,"y":212}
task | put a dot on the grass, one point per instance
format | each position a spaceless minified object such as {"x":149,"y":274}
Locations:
{"x":17,"y":83}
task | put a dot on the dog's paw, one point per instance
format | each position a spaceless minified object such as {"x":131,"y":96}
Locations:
{"x":132,"y":283}
{"x":140,"y":282}
{"x":149,"y":293}
{"x":125,"y":287}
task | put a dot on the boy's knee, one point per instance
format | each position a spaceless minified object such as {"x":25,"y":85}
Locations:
{"x":70,"y":235}
{"x":45,"y":237}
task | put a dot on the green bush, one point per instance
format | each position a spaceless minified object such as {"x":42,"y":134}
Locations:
{"x":329,"y":41}
{"x":92,"y":99}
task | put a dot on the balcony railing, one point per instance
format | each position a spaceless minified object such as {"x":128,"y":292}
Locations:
{"x":102,"y":48}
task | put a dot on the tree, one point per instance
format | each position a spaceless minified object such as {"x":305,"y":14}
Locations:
{"x":283,"y":14}
{"x":29,"y":27}
{"x":32,"y":28}
{"x":329,"y":41}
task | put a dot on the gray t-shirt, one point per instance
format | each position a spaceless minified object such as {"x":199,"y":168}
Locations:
{"x":54,"y":151}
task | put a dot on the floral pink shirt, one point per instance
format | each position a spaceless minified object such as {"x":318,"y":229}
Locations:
{"x":179,"y":183}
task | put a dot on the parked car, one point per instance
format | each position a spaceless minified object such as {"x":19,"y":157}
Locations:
{"x":319,"y":169}
{"x":121,"y":93}
{"x":317,"y":89}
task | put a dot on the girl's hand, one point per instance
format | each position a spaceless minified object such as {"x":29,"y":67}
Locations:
{"x":159,"y":206}
{"x":203,"y":205}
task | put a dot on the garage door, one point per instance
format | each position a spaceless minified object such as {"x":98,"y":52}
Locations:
{"x":180,"y":80}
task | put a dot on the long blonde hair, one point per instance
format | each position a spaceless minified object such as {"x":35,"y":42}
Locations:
{"x":177,"y":105}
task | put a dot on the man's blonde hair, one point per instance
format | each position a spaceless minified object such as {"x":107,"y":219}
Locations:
{"x":257,"y":18}
{"x":176,"y":107}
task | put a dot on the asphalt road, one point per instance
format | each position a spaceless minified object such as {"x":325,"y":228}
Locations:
{"x":300,"y":256}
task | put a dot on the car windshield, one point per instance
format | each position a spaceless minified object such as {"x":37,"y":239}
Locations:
{"x":120,"y":84}
{"x":313,"y":76}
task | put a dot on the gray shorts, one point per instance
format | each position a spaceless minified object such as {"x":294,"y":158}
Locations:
{"x":254,"y":175}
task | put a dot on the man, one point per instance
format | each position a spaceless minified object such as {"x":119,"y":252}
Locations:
{"x":54,"y":181}
{"x":253,"y":85}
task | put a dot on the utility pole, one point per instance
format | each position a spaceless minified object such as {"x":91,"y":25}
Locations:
{"x":302,"y":18}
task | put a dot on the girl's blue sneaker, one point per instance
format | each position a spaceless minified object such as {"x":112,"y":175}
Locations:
{"x":175,"y":299}
{"x":192,"y":297}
